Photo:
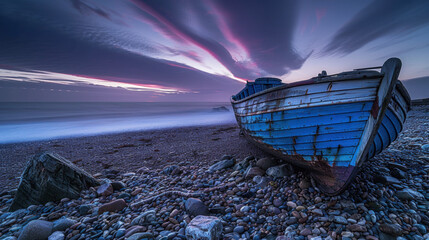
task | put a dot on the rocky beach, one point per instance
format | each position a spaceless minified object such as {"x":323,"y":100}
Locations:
{"x":210,"y":183}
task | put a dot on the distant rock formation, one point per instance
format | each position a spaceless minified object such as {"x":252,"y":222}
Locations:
{"x":49,"y":177}
{"x":220,"y":109}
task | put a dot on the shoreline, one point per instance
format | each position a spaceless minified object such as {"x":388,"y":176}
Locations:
{"x":129,"y":151}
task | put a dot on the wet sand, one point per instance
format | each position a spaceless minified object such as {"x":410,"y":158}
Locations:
{"x":127,"y":152}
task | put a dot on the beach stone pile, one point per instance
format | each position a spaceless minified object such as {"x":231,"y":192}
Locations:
{"x":240,"y":199}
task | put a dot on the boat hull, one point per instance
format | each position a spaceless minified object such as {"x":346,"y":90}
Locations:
{"x":328,"y":126}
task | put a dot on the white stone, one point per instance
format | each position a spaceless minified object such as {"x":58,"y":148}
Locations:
{"x":58,"y":235}
{"x":291,"y":204}
{"x":204,"y":228}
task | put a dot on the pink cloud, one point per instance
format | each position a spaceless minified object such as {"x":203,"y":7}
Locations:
{"x":320,"y":13}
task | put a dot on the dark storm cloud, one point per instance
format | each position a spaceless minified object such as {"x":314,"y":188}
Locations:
{"x":379,"y":19}
{"x":265,"y":29}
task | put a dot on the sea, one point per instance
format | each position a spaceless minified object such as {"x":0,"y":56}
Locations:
{"x":35,"y":121}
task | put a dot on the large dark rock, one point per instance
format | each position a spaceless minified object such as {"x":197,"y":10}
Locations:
{"x":36,"y":230}
{"x":49,"y":177}
{"x":254,"y":171}
{"x":265,"y":163}
{"x":280,"y":171}
{"x":224,"y":164}
{"x":196,"y":207}
{"x":409,"y":194}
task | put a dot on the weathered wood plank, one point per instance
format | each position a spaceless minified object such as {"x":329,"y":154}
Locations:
{"x":307,"y":112}
{"x":286,"y":104}
{"x":394,"y":119}
{"x":397,"y":111}
{"x":399,"y":99}
{"x":378,"y":144}
{"x":390,"y":127}
{"x":310,"y":138}
{"x":298,"y":91}
{"x":334,"y":128}
{"x":344,"y":159}
{"x":307,"y":122}
{"x":320,"y":152}
{"x":319,"y":145}
{"x":385,"y":138}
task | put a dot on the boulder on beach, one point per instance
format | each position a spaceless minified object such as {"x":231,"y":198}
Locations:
{"x":204,"y":227}
{"x":49,"y":177}
{"x":266,"y":162}
{"x":223,"y":164}
{"x":254,"y":171}
{"x":409,"y":194}
{"x":196,"y":207}
{"x":280,"y":171}
{"x":36,"y":230}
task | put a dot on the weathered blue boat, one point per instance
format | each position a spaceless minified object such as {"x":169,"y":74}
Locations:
{"x":329,"y":124}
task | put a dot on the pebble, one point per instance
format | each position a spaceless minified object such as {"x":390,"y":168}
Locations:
{"x":239,"y":229}
{"x":304,"y":183}
{"x":105,"y":190}
{"x":291,"y":204}
{"x":357,"y":228}
{"x":138,"y":236}
{"x":174,"y":213}
{"x":305,"y":232}
{"x":118,"y":185}
{"x":391,"y":229}
{"x":222,"y":165}
{"x":62,"y":224}
{"x":340,"y":220}
{"x":246,"y":202}
{"x":84,"y":209}
{"x":277,"y":202}
{"x":114,"y":206}
{"x":120,"y":233}
{"x":58,"y":235}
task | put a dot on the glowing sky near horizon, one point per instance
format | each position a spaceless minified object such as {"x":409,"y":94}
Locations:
{"x":200,"y":50}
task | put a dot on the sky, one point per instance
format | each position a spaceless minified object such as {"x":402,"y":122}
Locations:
{"x":189,"y":50}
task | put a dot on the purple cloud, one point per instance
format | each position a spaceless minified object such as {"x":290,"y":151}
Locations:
{"x":379,"y":19}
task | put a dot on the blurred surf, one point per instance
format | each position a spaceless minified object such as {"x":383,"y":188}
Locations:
{"x":22,"y":122}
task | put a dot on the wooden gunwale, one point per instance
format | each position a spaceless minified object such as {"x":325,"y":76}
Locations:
{"x":313,"y":96}
{"x":333,"y":78}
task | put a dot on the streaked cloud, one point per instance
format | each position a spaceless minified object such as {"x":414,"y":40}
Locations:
{"x":68,"y":79}
{"x":381,"y":18}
